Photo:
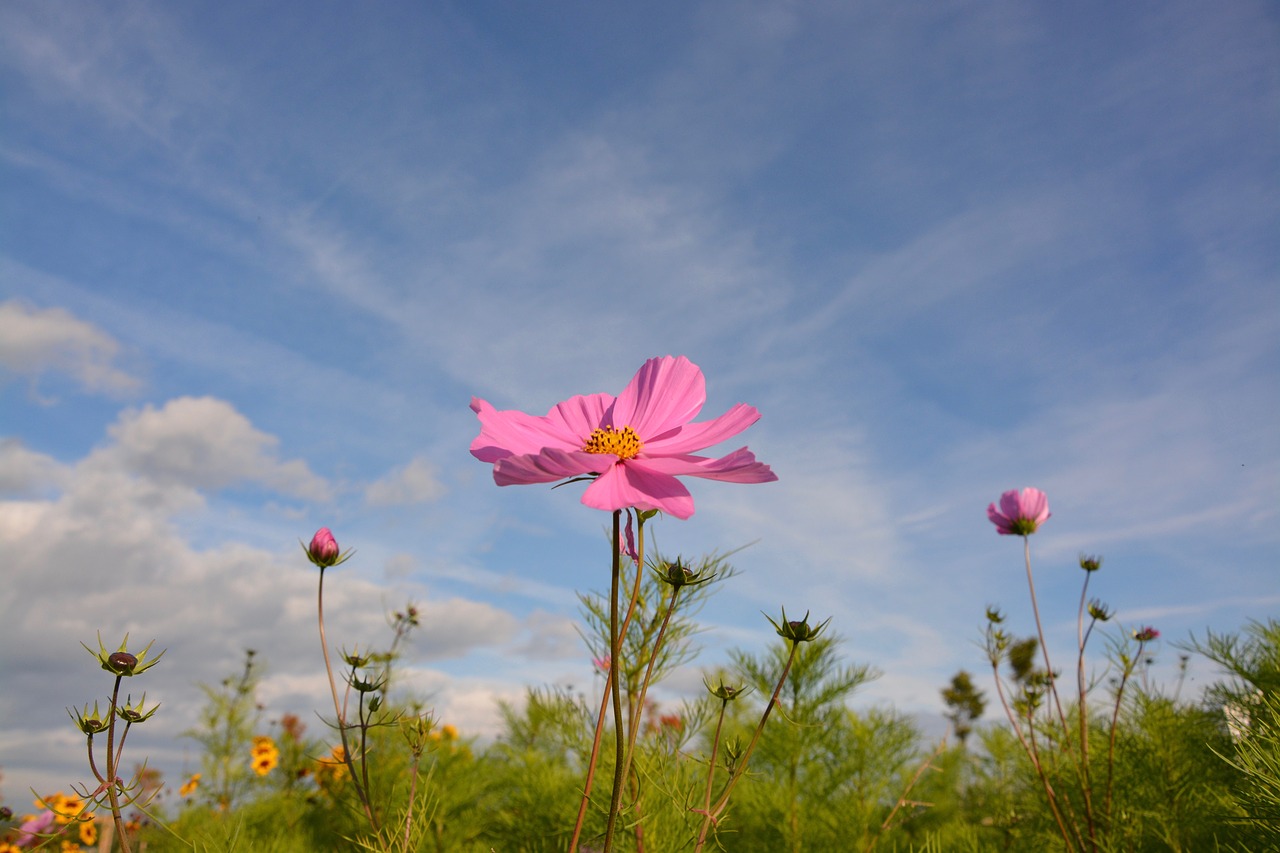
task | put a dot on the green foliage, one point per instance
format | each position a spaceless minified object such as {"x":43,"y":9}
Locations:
{"x":225,"y":731}
{"x":965,"y":703}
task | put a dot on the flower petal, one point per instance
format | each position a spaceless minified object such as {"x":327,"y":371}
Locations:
{"x":664,"y":394}
{"x":740,"y":466}
{"x":514,"y":433}
{"x":631,"y":485}
{"x":697,"y":436}
{"x":1035,"y":504}
{"x":548,"y":466}
{"x":1003,"y":526}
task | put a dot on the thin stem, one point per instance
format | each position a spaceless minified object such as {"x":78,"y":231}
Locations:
{"x":591,"y":764}
{"x":1031,"y":753}
{"x":338,"y":708}
{"x":615,"y":652}
{"x":902,"y":800}
{"x":413,"y":791}
{"x":1115,"y":717}
{"x":723,"y":801}
{"x":1048,"y":672}
{"x":1083,"y":711}
{"x":611,"y":673}
{"x":113,"y":765}
{"x":634,"y":731}
{"x":711,"y":770}
{"x":1044,"y":647}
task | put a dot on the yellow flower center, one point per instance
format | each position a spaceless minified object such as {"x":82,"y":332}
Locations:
{"x":623,"y":443}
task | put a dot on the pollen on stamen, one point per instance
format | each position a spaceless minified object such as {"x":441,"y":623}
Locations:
{"x":623,"y":443}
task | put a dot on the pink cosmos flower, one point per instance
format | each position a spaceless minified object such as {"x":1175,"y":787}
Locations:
{"x":29,"y":832}
{"x":323,"y":549}
{"x":1146,"y":635}
{"x":632,"y":446}
{"x":1020,"y":514}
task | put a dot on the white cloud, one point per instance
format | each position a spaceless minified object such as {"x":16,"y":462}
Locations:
{"x":25,"y":472}
{"x":35,"y":341}
{"x":416,"y":482}
{"x":205,"y":443}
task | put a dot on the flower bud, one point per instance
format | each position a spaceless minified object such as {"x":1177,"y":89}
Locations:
{"x":1090,"y":562}
{"x":1099,"y":611}
{"x":725,"y":692}
{"x":132,"y":713}
{"x":323,"y":550}
{"x":797,"y":630}
{"x":90,"y":724}
{"x":122,"y":663}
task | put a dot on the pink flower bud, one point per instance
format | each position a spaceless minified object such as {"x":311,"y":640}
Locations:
{"x":323,"y":550}
{"x":1146,"y":635}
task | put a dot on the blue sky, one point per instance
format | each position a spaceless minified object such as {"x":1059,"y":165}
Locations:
{"x":255,"y":260}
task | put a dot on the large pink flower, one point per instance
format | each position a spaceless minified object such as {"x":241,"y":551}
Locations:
{"x":1020,"y":514}
{"x":633,"y":445}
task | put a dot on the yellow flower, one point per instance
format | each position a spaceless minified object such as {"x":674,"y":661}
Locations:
{"x":88,"y":832}
{"x":263,"y":745}
{"x":69,"y":810}
{"x":265,"y":762}
{"x":332,"y":768}
{"x":449,"y":731}
{"x":6,"y":847}
{"x":189,"y":787}
{"x":53,"y":802}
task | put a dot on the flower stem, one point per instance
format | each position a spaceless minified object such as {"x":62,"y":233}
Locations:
{"x":113,"y":765}
{"x":338,"y":709}
{"x":615,"y":652}
{"x":611,"y":675}
{"x":723,"y":802}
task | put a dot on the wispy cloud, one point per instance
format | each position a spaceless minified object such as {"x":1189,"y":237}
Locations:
{"x":35,"y":341}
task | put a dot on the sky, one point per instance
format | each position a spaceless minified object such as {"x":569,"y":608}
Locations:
{"x":255,"y":261}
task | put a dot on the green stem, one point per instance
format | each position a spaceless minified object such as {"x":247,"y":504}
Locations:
{"x":723,"y":802}
{"x":338,"y":709}
{"x":113,"y":765}
{"x":615,"y":652}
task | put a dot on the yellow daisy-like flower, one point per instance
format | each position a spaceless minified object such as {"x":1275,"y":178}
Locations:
{"x":6,"y":847}
{"x":88,"y":832}
{"x":332,"y":768}
{"x":53,"y":802}
{"x":265,"y":762}
{"x":189,"y":787}
{"x":71,"y":847}
{"x":449,"y":731}
{"x":69,"y":810}
{"x":263,"y":744}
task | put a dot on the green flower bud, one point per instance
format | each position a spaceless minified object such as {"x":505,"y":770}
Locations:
{"x":122,"y":662}
{"x":797,"y":631}
{"x":90,"y":724}
{"x":131,"y":713}
{"x":1090,"y":563}
{"x":725,"y":692}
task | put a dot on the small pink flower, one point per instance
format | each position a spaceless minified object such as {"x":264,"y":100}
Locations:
{"x":29,"y":832}
{"x":323,"y":549}
{"x":1020,"y":513}
{"x":602,"y":664}
{"x":1146,"y":635}
{"x":632,"y":446}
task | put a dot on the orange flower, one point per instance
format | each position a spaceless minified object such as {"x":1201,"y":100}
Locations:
{"x":189,"y":787}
